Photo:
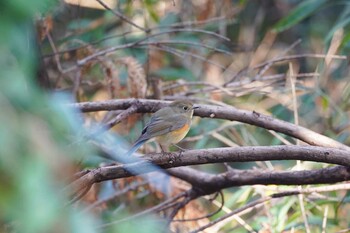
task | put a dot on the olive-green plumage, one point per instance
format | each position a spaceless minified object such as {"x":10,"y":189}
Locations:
{"x":169,"y":125}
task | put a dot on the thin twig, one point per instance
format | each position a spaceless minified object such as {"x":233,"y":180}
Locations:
{"x":296,"y":121}
{"x":199,"y":83}
{"x":56,"y":57}
{"x":123,"y":17}
{"x":80,"y":194}
{"x":327,"y":188}
{"x":248,"y":206}
{"x":137,"y":44}
{"x":238,"y":86}
{"x":160,"y":207}
{"x":298,"y":56}
{"x":254,"y":204}
{"x":117,"y":194}
{"x":268,"y":65}
{"x":324,"y":222}
{"x":76,"y":86}
{"x":207,"y":215}
{"x":183,"y":54}
{"x":123,"y":115}
{"x":195,"y":23}
{"x":240,"y":221}
{"x":208,"y":133}
{"x":196,"y":30}
{"x":147,"y":37}
{"x":178,"y":207}
{"x":189,"y":43}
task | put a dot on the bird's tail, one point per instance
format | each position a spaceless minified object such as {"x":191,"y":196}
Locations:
{"x":135,"y":147}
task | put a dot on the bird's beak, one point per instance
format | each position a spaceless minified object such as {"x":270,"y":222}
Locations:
{"x":195,"y":107}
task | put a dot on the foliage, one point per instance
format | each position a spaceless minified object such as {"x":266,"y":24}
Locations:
{"x":43,"y":142}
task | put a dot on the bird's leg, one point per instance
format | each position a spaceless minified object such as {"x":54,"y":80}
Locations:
{"x":180,"y":148}
{"x":161,"y":147}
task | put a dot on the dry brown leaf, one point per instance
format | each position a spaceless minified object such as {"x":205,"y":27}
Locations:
{"x":137,"y":83}
{"x":82,"y":53}
{"x":112,"y":79}
{"x":44,"y":26}
{"x":194,"y":209}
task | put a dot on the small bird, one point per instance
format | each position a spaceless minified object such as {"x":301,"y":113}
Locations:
{"x":169,"y":125}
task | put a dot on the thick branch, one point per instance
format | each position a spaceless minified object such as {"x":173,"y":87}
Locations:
{"x":210,"y":183}
{"x":219,"y":112}
{"x":239,"y":154}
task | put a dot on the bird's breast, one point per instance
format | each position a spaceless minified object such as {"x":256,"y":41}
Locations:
{"x":174,"y":136}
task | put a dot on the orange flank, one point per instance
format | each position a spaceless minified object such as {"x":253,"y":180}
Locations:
{"x":182,"y":131}
{"x":175,"y":136}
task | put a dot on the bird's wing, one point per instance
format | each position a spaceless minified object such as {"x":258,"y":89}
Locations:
{"x":159,"y":125}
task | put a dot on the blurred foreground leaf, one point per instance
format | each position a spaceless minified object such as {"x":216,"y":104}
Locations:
{"x":303,"y":10}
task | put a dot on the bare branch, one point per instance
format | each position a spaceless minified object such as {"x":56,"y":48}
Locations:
{"x":132,"y":109}
{"x":236,"y":211}
{"x":265,"y":199}
{"x":141,"y":42}
{"x":195,"y":23}
{"x":213,"y":183}
{"x":268,"y":65}
{"x":115,"y":195}
{"x":123,"y":17}
{"x":160,"y":207}
{"x":210,"y":183}
{"x":207,"y":215}
{"x":154,"y":34}
{"x":218,"y":112}
{"x":293,"y":57}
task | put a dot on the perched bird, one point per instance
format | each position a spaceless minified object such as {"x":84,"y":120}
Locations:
{"x":169,"y":125}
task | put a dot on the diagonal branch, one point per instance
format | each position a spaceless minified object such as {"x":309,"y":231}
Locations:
{"x":123,"y":17}
{"x":268,"y":198}
{"x":122,"y":116}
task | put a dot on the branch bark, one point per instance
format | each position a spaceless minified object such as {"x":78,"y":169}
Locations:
{"x":219,"y":112}
{"x":211,"y":183}
{"x":235,"y":177}
{"x":331,"y":152}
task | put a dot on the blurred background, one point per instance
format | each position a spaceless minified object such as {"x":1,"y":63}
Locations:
{"x":284,"y":58}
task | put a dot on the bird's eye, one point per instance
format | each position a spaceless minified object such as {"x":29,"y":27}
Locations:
{"x":185,"y":108}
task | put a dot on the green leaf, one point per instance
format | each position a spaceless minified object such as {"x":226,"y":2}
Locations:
{"x":169,"y":73}
{"x":152,"y":10}
{"x":325,"y":103}
{"x":346,"y":40}
{"x":239,"y":197}
{"x":339,"y":25}
{"x":303,"y":10}
{"x":282,"y":212}
{"x":342,"y":21}
{"x":168,"y":20}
